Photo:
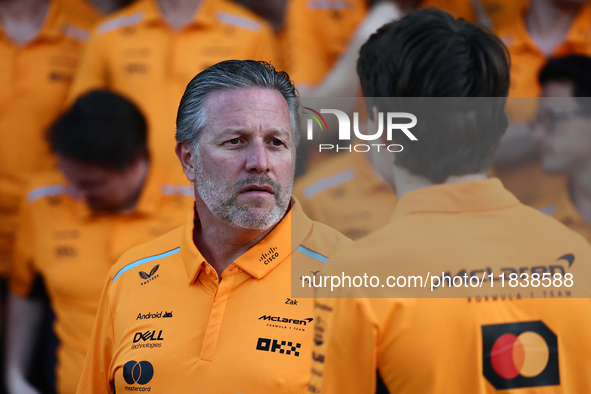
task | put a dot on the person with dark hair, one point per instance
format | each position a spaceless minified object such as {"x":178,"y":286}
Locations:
{"x":212,"y":306}
{"x":150,"y":49}
{"x":452,"y":225}
{"x":40,"y":44}
{"x":544,"y":29}
{"x":562,"y":130}
{"x":73,"y":226}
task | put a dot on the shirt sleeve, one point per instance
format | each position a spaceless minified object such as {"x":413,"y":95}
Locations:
{"x":22,"y":272}
{"x":92,"y":71}
{"x":344,"y":358}
{"x":96,"y":373}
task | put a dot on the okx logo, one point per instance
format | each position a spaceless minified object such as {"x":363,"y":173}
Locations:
{"x":520,"y":355}
{"x":392,"y":123}
{"x":140,"y":373}
{"x":283,"y":347}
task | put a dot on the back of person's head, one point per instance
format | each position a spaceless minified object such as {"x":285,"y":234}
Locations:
{"x":575,"y":69}
{"x":430,"y":54}
{"x":232,"y":75}
{"x":101,"y":128}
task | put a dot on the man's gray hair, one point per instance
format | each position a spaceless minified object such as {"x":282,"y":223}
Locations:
{"x":231,"y":75}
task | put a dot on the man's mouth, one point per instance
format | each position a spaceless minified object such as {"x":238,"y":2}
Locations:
{"x":257,"y":189}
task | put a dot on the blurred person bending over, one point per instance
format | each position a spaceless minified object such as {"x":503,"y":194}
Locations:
{"x":75,"y":224}
{"x":40,"y":44}
{"x":322,"y":41}
{"x":452,"y":218}
{"x":151,"y":49}
{"x":226,"y":278}
{"x":563,"y":131}
{"x":546,"y":28}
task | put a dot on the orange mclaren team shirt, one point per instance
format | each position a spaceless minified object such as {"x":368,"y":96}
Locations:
{"x":167,"y":324}
{"x":317,"y":32}
{"x":345,"y":193}
{"x":34,"y":80}
{"x":528,"y":182}
{"x":493,"y":339}
{"x":136,"y":53}
{"x":500,"y":12}
{"x":72,"y":249}
{"x":564,"y":210}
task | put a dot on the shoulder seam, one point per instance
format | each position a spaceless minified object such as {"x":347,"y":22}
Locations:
{"x":177,"y":190}
{"x":239,"y":21}
{"x":122,"y":21}
{"x":328,"y":182}
{"x":144,"y":260}
{"x":76,"y":32}
{"x":312,"y":254}
{"x":48,"y":191}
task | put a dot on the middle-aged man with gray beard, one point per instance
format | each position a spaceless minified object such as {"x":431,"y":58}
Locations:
{"x":208,"y":307}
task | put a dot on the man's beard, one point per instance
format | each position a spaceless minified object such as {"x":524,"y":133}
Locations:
{"x":221,"y":200}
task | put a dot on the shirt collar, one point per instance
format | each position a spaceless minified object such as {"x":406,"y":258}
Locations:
{"x":205,"y":13}
{"x":261,"y":258}
{"x":483,"y":195}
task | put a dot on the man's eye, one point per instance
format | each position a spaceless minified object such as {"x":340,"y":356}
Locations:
{"x":234,"y":141}
{"x":277,"y":142}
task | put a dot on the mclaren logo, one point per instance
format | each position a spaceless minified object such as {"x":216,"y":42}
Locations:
{"x":278,"y":319}
{"x":151,"y":276}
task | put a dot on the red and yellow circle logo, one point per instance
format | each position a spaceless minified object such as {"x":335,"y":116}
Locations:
{"x":520,"y":355}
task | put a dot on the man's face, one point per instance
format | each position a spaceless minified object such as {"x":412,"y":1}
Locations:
{"x":244,"y":164}
{"x":563,"y":134}
{"x":104,"y":190}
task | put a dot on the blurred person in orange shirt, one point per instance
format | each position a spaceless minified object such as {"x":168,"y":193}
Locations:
{"x":40,"y":44}
{"x":546,"y":28}
{"x":151,"y":49}
{"x":321,"y":48}
{"x":321,"y":45}
{"x":75,"y":224}
{"x":324,"y":40}
{"x":451,"y":216}
{"x":563,"y":131}
{"x":227,"y":279}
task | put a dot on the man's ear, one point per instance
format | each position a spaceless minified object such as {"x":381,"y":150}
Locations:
{"x":186,"y":156}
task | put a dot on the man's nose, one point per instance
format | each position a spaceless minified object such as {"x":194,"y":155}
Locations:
{"x":257,"y":159}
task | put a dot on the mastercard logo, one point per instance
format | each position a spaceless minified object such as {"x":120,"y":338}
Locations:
{"x":519,"y":355}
